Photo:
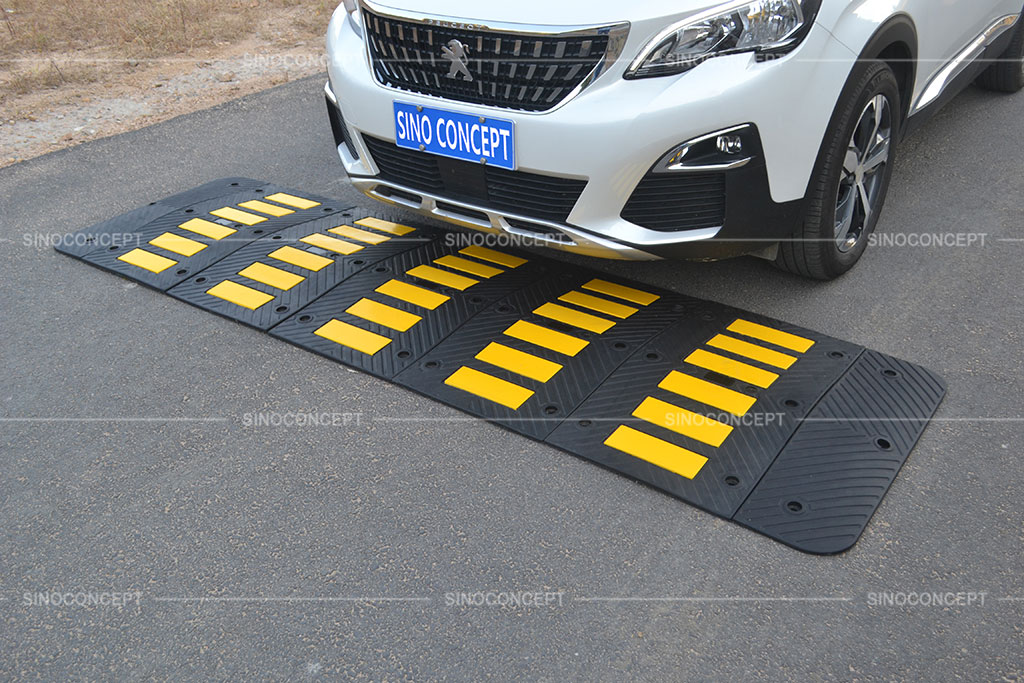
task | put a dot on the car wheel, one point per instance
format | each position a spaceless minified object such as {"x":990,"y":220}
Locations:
{"x":851,"y":178}
{"x":1007,"y":74}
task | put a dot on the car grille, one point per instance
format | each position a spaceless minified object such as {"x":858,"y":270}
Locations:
{"x":508,"y":70}
{"x":678,"y":201}
{"x":530,"y":195}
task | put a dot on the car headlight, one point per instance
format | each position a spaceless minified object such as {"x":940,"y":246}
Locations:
{"x":355,"y":17}
{"x":739,"y":26}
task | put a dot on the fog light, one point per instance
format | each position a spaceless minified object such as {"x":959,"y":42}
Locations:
{"x":730,"y":144}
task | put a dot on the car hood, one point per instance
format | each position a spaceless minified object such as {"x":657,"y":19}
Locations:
{"x":551,"y":12}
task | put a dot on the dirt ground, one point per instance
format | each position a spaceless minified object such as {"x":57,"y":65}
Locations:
{"x":68,"y":78}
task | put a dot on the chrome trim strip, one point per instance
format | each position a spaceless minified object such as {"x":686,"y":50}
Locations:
{"x":967,"y":56}
{"x":330,"y":93}
{"x":664,"y":165}
{"x":617,"y":34}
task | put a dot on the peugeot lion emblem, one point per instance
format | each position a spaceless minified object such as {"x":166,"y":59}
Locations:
{"x":458,"y":54}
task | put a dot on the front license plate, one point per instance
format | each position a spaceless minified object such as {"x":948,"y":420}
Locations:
{"x":455,"y":135}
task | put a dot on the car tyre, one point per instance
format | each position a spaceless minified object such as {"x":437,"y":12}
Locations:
{"x":851,"y":177}
{"x":1007,"y":74}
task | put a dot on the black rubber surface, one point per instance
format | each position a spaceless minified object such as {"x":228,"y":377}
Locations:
{"x":807,"y":462}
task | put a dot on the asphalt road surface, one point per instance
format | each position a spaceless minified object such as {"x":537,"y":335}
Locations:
{"x":127,"y":464}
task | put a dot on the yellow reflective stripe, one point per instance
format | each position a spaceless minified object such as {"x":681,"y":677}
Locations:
{"x":629,"y":294}
{"x":240,"y":295}
{"x":708,"y":393}
{"x":660,"y":453}
{"x":268,"y":209}
{"x":565,"y":344}
{"x":331,"y":244}
{"x":147,"y":260}
{"x":353,"y":337}
{"x":772,"y":336}
{"x":471,"y":267}
{"x":386,"y":226}
{"x":382,"y":314}
{"x":488,"y":387}
{"x":300,"y":258}
{"x":514,"y":360}
{"x":683,"y":421}
{"x":177,"y":244}
{"x":584,"y":321}
{"x":732,"y":368}
{"x":411,"y":294}
{"x":485,"y":254}
{"x":359,"y":235}
{"x":230,"y":214}
{"x":443,"y":277}
{"x":215,"y":231}
{"x":292,"y":201}
{"x":598,"y":304}
{"x":752,"y":351}
{"x":269,"y":275}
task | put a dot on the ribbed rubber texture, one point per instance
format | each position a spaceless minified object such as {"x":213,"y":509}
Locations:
{"x":678,"y":201}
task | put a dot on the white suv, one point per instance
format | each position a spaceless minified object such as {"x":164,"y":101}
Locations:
{"x":695,"y":129}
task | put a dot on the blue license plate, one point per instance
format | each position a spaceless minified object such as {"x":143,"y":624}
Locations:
{"x":456,"y":136}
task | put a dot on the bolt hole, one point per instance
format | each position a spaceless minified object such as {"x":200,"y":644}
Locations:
{"x":276,"y":237}
{"x":732,"y":481}
{"x":838,"y":355}
{"x":234,"y":184}
{"x":328,"y":209}
{"x":190,"y":210}
{"x":181,"y":272}
{"x":113,"y":248}
{"x":707,"y":317}
{"x":585,"y":423}
{"x":883,"y":444}
{"x":281,"y":309}
{"x":504,"y":309}
{"x":431,"y":365}
{"x":476,"y":300}
{"x":358,"y":262}
{"x":550,"y":410}
{"x":795,"y":506}
{"x":653,"y":356}
{"x":888,"y":372}
{"x":257,"y":232}
{"x":305,"y":318}
{"x":790,"y":403}
{"x":403,"y":354}
{"x":380,"y":269}
{"x":200,"y":280}
{"x":260,"y":190}
{"x":619,"y":346}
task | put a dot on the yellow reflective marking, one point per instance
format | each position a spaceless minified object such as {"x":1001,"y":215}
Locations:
{"x":386,"y":226}
{"x":382,"y":314}
{"x":683,"y":421}
{"x":411,"y":294}
{"x":268,"y":209}
{"x":660,"y":453}
{"x":772,"y":336}
{"x":237,"y":216}
{"x":359,"y":235}
{"x":598,"y":304}
{"x":708,"y":393}
{"x":147,"y":260}
{"x":565,"y":344}
{"x":269,"y":275}
{"x":331,"y":244}
{"x":353,"y":337}
{"x":514,"y":360}
{"x":568,"y":316}
{"x":177,"y":244}
{"x":292,"y":201}
{"x":214,"y":231}
{"x":302,"y":259}
{"x":629,"y":294}
{"x":491,"y":388}
{"x":485,"y":254}
{"x":466,"y":266}
{"x":752,"y":351}
{"x":443,"y":277}
{"x":732,"y":368}
{"x":240,"y":295}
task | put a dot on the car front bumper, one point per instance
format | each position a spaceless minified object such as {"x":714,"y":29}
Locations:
{"x":609,"y":138}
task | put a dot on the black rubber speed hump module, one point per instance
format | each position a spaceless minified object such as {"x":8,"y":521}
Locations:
{"x":786,"y":431}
